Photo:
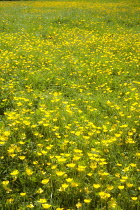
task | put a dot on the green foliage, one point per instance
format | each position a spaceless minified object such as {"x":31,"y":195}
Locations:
{"x":69,"y":105}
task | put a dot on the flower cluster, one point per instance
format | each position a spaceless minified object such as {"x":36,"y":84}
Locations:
{"x":69,"y":111}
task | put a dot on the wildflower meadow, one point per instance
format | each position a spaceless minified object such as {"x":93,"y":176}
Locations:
{"x":69,"y":105}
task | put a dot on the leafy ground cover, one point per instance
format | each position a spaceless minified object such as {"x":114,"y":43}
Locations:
{"x":69,"y":112}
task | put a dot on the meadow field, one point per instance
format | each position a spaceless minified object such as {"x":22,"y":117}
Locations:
{"x":69,"y":105}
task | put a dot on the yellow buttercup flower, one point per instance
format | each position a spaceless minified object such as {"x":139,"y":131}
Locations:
{"x":61,"y":160}
{"x":30,"y":206}
{"x":87,"y":200}
{"x":89,"y":174}
{"x":109,"y":187}
{"x":29,"y":172}
{"x":120,"y":187}
{"x":22,"y":194}
{"x":14,"y":173}
{"x":134,"y":198}
{"x":104,"y":195}
{"x":21,"y":157}
{"x":129,"y":185}
{"x":45,"y":181}
{"x":5,"y":182}
{"x":79,"y":205}
{"x":65,"y":186}
{"x":60,"y":173}
{"x":46,"y":205}
{"x":69,"y":179}
{"x":96,"y":186}
{"x":71,"y":165}
{"x":81,"y":168}
{"x":40,"y":191}
{"x":42,"y":200}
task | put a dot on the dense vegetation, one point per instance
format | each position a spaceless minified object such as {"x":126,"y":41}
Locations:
{"x":69,"y":111}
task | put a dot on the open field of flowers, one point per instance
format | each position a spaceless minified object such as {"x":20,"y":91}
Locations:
{"x":69,"y":105}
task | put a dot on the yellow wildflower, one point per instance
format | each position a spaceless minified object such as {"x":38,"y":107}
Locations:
{"x":5,"y":183}
{"x":30,"y":206}
{"x":14,"y":173}
{"x":39,"y":190}
{"x":104,"y":195}
{"x":69,"y":179}
{"x":71,"y":165}
{"x":65,"y":186}
{"x":96,"y":186}
{"x":29,"y":172}
{"x":134,"y":198}
{"x":79,"y":205}
{"x":109,"y":187}
{"x":42,"y":200}
{"x":121,"y":187}
{"x":81,"y":168}
{"x":45,"y":181}
{"x":22,"y":194}
{"x":60,"y":173}
{"x":87,"y":200}
{"x":21,"y":157}
{"x":129,"y":185}
{"x":46,"y":205}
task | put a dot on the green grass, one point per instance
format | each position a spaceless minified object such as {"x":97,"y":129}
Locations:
{"x":69,"y":105}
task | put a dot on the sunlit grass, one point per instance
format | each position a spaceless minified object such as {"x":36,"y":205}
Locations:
{"x":69,"y":112}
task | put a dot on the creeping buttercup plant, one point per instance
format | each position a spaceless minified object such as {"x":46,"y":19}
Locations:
{"x":69,"y":113}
